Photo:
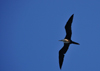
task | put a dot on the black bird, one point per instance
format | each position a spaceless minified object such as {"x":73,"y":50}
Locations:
{"x":67,"y":41}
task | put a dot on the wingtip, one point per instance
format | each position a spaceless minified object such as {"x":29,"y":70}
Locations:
{"x":61,"y":57}
{"x":60,"y":66}
{"x":72,"y":14}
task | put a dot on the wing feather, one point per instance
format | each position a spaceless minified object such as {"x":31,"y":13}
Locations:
{"x":61,"y":54}
{"x":68,"y":28}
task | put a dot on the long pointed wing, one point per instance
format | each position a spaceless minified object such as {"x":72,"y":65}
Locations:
{"x":68,"y":28}
{"x":61,"y":54}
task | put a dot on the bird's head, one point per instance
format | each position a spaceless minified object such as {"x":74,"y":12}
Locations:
{"x":65,"y":40}
{"x":61,"y":40}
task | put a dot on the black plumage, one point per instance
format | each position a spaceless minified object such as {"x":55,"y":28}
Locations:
{"x":68,"y":37}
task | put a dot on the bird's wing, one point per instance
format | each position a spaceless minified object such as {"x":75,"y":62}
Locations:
{"x":68,"y":28}
{"x":61,"y":54}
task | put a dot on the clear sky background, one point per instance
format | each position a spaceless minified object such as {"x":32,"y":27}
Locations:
{"x":30,"y":30}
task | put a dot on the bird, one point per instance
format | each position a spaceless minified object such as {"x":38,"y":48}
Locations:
{"x":67,"y":41}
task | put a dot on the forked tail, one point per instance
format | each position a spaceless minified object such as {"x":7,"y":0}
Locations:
{"x":75,"y":43}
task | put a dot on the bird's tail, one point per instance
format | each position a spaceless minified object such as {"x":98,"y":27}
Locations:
{"x":75,"y":43}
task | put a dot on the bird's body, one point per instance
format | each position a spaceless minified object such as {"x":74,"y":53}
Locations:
{"x":67,"y":41}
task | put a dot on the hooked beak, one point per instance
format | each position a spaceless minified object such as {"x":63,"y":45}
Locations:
{"x":60,"y":40}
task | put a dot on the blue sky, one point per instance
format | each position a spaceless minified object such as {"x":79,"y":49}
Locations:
{"x":30,"y":30}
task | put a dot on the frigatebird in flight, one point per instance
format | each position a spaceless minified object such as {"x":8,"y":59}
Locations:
{"x":67,"y":41}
